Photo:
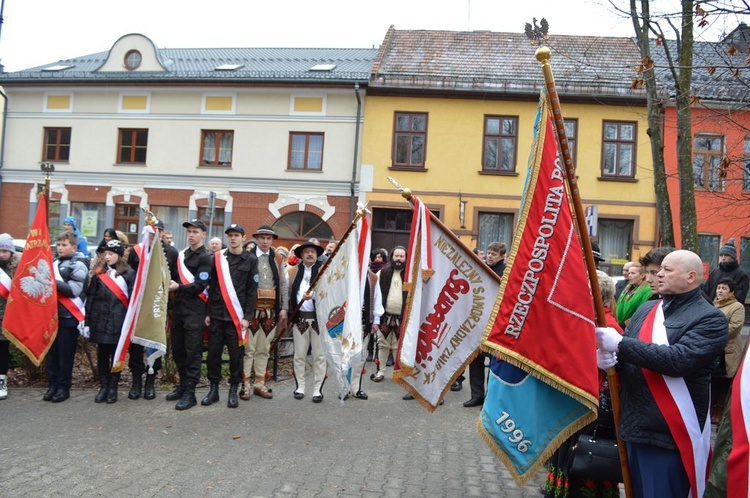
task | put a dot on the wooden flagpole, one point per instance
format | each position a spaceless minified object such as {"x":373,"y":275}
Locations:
{"x":543,"y":55}
{"x":280,"y":333}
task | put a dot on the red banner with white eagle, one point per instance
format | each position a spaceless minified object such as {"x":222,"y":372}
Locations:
{"x":30,"y":321}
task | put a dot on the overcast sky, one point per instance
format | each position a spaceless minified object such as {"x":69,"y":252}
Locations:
{"x":37,"y":32}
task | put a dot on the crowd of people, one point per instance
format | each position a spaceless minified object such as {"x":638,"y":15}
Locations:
{"x":239,"y":293}
{"x":666,"y":324}
{"x":674,"y":338}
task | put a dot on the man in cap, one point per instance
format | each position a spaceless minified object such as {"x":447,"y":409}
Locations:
{"x":136,"y":362}
{"x":231,"y":303}
{"x":194,"y":268}
{"x":306,"y":333}
{"x":271,"y":305}
{"x":728,"y":268}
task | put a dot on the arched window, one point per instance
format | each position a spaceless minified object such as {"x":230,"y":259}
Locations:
{"x":302,"y":225}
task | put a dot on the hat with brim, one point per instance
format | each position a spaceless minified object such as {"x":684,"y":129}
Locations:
{"x":597,"y":252}
{"x":265,"y":230}
{"x":298,"y":250}
{"x":195,"y":223}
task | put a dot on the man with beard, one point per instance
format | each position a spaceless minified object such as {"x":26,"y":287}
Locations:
{"x":394,"y":298}
{"x":306,"y":332}
{"x":728,"y":268}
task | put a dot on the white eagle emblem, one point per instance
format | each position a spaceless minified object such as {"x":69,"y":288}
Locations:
{"x":40,"y":284}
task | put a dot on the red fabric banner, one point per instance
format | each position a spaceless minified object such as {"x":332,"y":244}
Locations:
{"x":544,"y":322}
{"x":30,"y":321}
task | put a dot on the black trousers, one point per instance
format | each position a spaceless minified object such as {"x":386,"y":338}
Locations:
{"x":105,"y":355}
{"x":223,"y":333}
{"x":477,"y":376}
{"x":4,"y":356}
{"x":62,"y":355}
{"x":187,"y":346}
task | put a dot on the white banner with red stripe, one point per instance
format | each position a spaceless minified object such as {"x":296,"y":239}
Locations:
{"x":5,"y":282}
{"x":73,"y":304}
{"x":186,"y":277}
{"x":738,"y":462}
{"x":117,"y":285}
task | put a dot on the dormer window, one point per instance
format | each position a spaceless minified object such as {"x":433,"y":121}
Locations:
{"x":133,"y":59}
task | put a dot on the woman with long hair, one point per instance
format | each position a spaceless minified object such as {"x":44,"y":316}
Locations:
{"x":108,"y":295}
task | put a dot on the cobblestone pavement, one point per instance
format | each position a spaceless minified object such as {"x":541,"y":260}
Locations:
{"x":382,"y":447}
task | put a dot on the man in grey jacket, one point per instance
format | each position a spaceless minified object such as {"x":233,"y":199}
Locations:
{"x":665,"y":360}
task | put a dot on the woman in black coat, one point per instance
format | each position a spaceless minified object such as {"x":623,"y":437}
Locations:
{"x":106,"y":306}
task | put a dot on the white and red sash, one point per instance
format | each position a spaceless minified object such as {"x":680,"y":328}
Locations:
{"x":229,"y":294}
{"x":73,"y":304}
{"x":138,"y":248}
{"x":117,"y":286}
{"x":186,"y":277}
{"x":5,"y":282}
{"x":676,"y":406}
{"x":738,"y":462}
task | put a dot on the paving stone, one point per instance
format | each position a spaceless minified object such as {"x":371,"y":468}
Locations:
{"x":281,"y":448}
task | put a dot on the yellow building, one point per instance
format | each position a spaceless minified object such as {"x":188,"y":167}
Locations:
{"x":450,"y":115}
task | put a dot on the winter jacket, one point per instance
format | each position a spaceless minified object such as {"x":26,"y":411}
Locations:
{"x":105,"y":312}
{"x":74,"y":277}
{"x":697,"y":334}
{"x":243,"y":272}
{"x":630,"y":300}
{"x":727,"y":269}
{"x":735,"y":313}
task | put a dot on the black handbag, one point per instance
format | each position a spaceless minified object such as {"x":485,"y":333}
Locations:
{"x":593,"y":458}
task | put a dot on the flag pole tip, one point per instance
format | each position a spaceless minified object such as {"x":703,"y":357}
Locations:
{"x":406,"y":193}
{"x":543,"y":54}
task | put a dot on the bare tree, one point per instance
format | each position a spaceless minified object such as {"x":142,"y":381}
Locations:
{"x":654,"y":131}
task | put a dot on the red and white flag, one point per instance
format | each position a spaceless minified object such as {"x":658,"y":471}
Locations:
{"x":738,"y":462}
{"x":30,"y":321}
{"x":449,"y":303}
{"x":146,"y":319}
{"x":545,"y":385}
{"x":338,"y":306}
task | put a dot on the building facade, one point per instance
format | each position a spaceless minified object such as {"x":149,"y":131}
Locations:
{"x":450,"y":115}
{"x":249,"y":136}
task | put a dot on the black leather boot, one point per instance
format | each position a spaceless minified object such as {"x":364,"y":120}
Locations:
{"x":135,"y":389}
{"x":114,"y":379}
{"x":176,"y":393}
{"x":187,"y":400}
{"x":149,"y":392}
{"x":212,"y":396}
{"x":233,"y":399}
{"x":49,"y":394}
{"x":101,"y":396}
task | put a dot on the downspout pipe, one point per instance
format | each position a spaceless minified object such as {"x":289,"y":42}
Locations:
{"x":352,"y":200}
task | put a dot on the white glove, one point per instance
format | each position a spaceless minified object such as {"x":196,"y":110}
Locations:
{"x":605,"y":359}
{"x":84,"y":330}
{"x":607,"y":338}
